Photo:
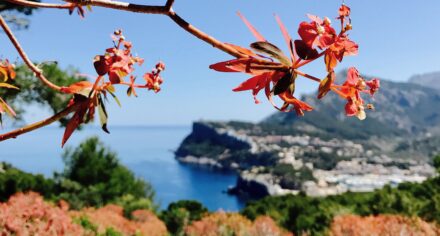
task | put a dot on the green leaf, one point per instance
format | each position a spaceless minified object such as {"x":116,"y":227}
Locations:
{"x":271,"y":50}
{"x":5,"y":85}
{"x":116,"y":98}
{"x":102,"y":114}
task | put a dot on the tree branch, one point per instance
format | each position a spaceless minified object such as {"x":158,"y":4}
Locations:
{"x":39,"y":124}
{"x":25,"y":58}
{"x":203,"y":36}
{"x":169,"y":5}
{"x":39,"y":4}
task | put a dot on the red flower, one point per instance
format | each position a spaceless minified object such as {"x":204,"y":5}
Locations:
{"x":317,"y":32}
{"x":351,"y":90}
{"x":340,"y":48}
{"x":374,"y":85}
{"x":117,"y":62}
{"x":344,"y":11}
{"x":153,"y":79}
{"x":298,"y":106}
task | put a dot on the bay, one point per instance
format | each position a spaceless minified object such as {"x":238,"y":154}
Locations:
{"x":147,"y":151}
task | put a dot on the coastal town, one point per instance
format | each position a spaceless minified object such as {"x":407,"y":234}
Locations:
{"x":336,"y":165}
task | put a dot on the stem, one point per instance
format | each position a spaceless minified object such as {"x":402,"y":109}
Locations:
{"x":203,"y":36}
{"x":308,"y":76}
{"x":305,"y":62}
{"x":25,"y":58}
{"x":39,"y":124}
{"x":38,"y":4}
{"x":169,"y":5}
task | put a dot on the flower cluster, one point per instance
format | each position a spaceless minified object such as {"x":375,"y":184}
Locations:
{"x":7,"y":72}
{"x":276,"y":73}
{"x":116,"y":64}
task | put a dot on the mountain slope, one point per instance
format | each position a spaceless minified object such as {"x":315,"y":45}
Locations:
{"x":400,"y":109}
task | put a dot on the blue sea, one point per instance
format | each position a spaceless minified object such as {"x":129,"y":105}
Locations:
{"x":147,"y":151}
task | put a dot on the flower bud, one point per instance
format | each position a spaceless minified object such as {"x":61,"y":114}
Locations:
{"x":160,"y":66}
{"x":348,"y":27}
{"x":118,"y":32}
{"x":327,"y":21}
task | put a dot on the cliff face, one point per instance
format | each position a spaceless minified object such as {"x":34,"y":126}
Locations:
{"x":217,"y":145}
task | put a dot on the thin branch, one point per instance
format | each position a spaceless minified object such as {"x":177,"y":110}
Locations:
{"x":124,"y":6}
{"x":169,"y":5}
{"x":307,"y":76}
{"x":25,"y":58}
{"x":38,"y":4}
{"x":39,"y":124}
{"x":203,"y":36}
{"x":163,"y":10}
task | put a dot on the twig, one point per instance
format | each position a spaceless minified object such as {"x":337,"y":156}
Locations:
{"x":39,"y":124}
{"x":169,"y":5}
{"x":39,"y":4}
{"x":203,"y":36}
{"x":25,"y":58}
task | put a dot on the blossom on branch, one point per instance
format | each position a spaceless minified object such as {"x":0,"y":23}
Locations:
{"x":276,"y":73}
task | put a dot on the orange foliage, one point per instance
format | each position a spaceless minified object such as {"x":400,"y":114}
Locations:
{"x":111,"y":216}
{"x":221,"y":223}
{"x":28,"y":214}
{"x":350,"y":225}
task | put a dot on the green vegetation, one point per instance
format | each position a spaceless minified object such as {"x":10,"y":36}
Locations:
{"x":313,"y":215}
{"x":32,"y":91}
{"x":180,"y":214}
{"x":291,"y":178}
{"x":93,"y":176}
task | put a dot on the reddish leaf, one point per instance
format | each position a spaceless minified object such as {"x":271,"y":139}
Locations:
{"x":286,"y":35}
{"x":101,"y":65}
{"x":304,"y":51}
{"x":325,"y":84}
{"x":299,"y":106}
{"x":238,"y":65}
{"x":257,"y":35}
{"x":251,"y":83}
{"x":75,"y":121}
{"x":242,"y":50}
{"x":330,"y":61}
{"x":77,"y":87}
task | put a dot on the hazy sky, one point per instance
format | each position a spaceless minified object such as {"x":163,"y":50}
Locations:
{"x":397,"y":38}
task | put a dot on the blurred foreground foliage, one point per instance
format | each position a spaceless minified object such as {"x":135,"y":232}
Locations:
{"x":93,"y":177}
{"x":313,"y":215}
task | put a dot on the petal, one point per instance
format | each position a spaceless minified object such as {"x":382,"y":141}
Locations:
{"x":351,"y":108}
{"x":286,"y":35}
{"x":242,"y":50}
{"x":308,"y":33}
{"x":251,"y":83}
{"x":76,"y":87}
{"x":344,"y":11}
{"x":257,"y":35}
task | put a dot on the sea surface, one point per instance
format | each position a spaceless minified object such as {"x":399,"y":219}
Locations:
{"x":147,"y":151}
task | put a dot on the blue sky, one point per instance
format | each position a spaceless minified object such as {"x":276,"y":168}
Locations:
{"x":397,"y":39}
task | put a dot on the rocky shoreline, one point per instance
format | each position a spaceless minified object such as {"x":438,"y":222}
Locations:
{"x":288,"y":164}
